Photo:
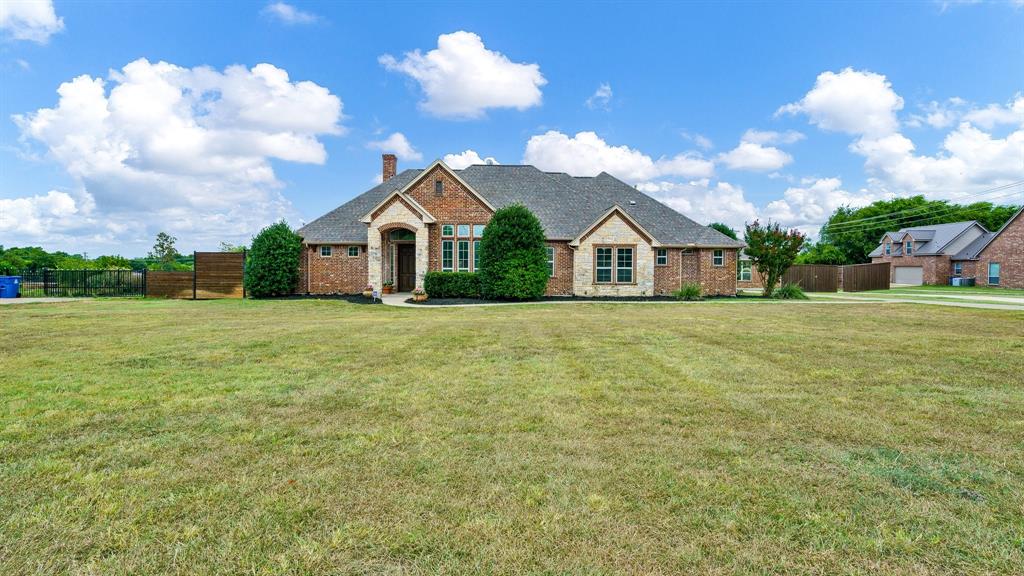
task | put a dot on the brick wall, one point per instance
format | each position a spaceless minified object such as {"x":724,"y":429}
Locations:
{"x":934,"y":269}
{"x":718,"y":280}
{"x":456,"y":205}
{"x":337,"y":274}
{"x":561,"y":283}
{"x":668,"y":278}
{"x":1008,"y":250}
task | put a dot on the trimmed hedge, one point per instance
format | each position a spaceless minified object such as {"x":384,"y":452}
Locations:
{"x":273,"y":266}
{"x":513,"y":256}
{"x":451,"y":285}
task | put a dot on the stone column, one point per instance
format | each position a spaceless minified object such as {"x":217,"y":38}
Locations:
{"x":422,"y":254}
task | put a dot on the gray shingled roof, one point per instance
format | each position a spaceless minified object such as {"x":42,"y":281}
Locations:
{"x":972,"y":249}
{"x":566,"y":206}
{"x":928,"y":239}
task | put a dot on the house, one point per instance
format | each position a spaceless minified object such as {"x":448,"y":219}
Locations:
{"x":604,"y":237}
{"x":939,"y":253}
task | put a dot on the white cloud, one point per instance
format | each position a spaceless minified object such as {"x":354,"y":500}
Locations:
{"x":700,"y":140}
{"x":772,"y":137}
{"x":33,"y":20}
{"x":187,"y":150}
{"x":586,"y":154}
{"x":23,"y":64}
{"x":36,"y":215}
{"x":288,"y":14}
{"x":994,"y":114}
{"x":808,"y":206}
{"x":851,"y":101}
{"x":703,"y":201}
{"x":601,"y":98}
{"x":398,"y":145}
{"x":755,"y":157}
{"x":461,"y":78}
{"x":467,"y":158}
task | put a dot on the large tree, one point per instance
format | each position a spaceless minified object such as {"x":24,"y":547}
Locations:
{"x":164,"y":251}
{"x":272,"y":267}
{"x":513,"y":258}
{"x":724,"y":229}
{"x":773,"y":249}
{"x":855,"y":232}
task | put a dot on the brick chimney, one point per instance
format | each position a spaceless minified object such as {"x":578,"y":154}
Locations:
{"x":390,"y":166}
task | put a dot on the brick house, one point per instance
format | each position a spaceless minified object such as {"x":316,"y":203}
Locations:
{"x":939,"y":253}
{"x":604,"y":237}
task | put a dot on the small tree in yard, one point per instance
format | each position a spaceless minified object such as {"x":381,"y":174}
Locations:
{"x":513,"y":259}
{"x":273,"y":263}
{"x":772,"y":250}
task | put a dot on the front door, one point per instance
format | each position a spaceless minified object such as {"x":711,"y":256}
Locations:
{"x":406,"y":267}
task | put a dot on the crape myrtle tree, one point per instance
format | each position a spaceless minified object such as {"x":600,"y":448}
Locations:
{"x":773,"y":250}
{"x":272,"y":267}
{"x":513,"y":258}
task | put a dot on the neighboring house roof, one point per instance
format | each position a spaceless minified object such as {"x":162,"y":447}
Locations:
{"x":928,"y":240}
{"x":975,"y":248}
{"x":565,"y":205}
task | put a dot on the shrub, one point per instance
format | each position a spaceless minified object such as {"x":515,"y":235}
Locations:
{"x":452,"y":284}
{"x":790,"y":291}
{"x":272,"y":268}
{"x":513,"y":259}
{"x":689,"y":291}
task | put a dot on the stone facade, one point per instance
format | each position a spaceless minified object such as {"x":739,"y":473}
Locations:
{"x":1008,"y":250}
{"x":614,"y":231}
{"x":338,"y":273}
{"x":395,"y":214}
{"x":934,"y":269}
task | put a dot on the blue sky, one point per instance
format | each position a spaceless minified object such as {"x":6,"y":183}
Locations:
{"x":178,"y":116}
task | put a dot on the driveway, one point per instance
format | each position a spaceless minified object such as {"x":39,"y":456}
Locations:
{"x":37,"y":300}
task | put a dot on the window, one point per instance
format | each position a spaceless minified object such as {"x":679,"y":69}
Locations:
{"x":993,"y":273}
{"x":551,"y":261}
{"x":438,"y":188}
{"x":447,"y":255}
{"x":463,"y":230}
{"x":743,"y":271}
{"x":402,"y":234}
{"x":463,"y":255}
{"x":661,"y":259}
{"x":476,"y":255}
{"x":353,"y":251}
{"x":909,"y":249}
{"x":447,"y":230}
{"x":478,"y":230}
{"x":603,"y":265}
{"x":624,"y":266}
{"x":958,"y":268}
{"x":325,"y":251}
{"x":888,"y":248}
{"x":718,"y":258}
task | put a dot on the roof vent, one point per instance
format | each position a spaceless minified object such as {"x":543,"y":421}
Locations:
{"x":632,"y":202}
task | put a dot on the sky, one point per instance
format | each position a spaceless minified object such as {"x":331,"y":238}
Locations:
{"x":212,"y":120}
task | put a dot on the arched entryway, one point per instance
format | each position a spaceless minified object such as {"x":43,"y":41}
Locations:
{"x":399,"y":250}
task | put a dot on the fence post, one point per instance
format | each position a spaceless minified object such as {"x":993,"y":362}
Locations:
{"x":193,"y":274}
{"x":244,"y":253}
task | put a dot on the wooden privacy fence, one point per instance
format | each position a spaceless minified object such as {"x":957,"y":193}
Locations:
{"x":861,"y":277}
{"x":214,"y":275}
{"x":813,"y":277}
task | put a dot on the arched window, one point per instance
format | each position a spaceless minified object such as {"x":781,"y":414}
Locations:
{"x":402,"y":234}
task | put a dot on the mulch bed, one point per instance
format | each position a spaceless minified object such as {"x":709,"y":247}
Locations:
{"x":353,"y":298}
{"x":452,"y":301}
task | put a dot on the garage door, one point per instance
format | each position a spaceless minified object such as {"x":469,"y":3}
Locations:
{"x":908,"y":275}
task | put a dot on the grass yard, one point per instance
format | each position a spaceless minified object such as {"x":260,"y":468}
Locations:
{"x":309,"y":437}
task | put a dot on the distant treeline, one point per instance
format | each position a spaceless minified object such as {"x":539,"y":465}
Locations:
{"x":35,"y":258}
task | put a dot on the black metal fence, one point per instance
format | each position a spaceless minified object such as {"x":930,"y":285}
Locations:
{"x":72,"y":283}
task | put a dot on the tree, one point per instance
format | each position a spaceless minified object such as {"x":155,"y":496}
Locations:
{"x":164,"y":251}
{"x":772,"y":250}
{"x":513,"y":256}
{"x":855,"y":232}
{"x":272,"y":267}
{"x":821,"y":253}
{"x":229,"y":247}
{"x":724,"y":229}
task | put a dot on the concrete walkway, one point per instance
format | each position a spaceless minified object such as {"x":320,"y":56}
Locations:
{"x":967,"y":296}
{"x":37,"y":300}
{"x":936,"y":302}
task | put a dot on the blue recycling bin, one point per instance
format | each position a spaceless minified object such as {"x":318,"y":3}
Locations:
{"x":10,"y":286}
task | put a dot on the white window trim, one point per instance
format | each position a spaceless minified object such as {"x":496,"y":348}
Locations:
{"x":330,"y":252}
{"x":551,"y":260}
{"x":473,"y":256}
{"x":469,"y":256}
{"x":350,"y":254}
{"x":473,"y":228}
{"x":718,"y":255}
{"x":610,"y":267}
{"x":658,"y":256}
{"x":908,"y":249}
{"x":744,"y":266}
{"x":990,"y":276}
{"x":459,"y":234}
{"x":443,"y":235}
{"x":632,"y":265}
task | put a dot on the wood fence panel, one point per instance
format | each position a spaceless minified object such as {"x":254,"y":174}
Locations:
{"x":861,"y":277}
{"x":813,"y":277}
{"x":168,"y":284}
{"x":220,"y":274}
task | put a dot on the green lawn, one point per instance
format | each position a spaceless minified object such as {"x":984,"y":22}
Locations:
{"x":307,"y":437}
{"x":965,"y":290}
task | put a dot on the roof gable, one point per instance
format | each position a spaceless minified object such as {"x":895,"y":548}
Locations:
{"x":613,"y":211}
{"x":439,"y":164}
{"x":405,"y":199}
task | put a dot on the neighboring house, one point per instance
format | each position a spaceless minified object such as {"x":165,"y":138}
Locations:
{"x":747,"y":275}
{"x":936,"y":254}
{"x":604,"y":237}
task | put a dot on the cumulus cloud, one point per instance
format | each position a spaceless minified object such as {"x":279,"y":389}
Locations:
{"x":462,"y":79}
{"x":587,"y":154}
{"x":288,"y":14}
{"x":851,"y":101}
{"x":36,"y":215}
{"x":994,"y":114}
{"x":700,"y":140}
{"x":467,"y":158}
{"x":33,"y":20}
{"x":755,"y":157}
{"x":398,"y":145}
{"x":703,"y":201}
{"x":187,"y":150}
{"x":772,"y":137}
{"x":809,"y":205}
{"x":601,"y":98}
